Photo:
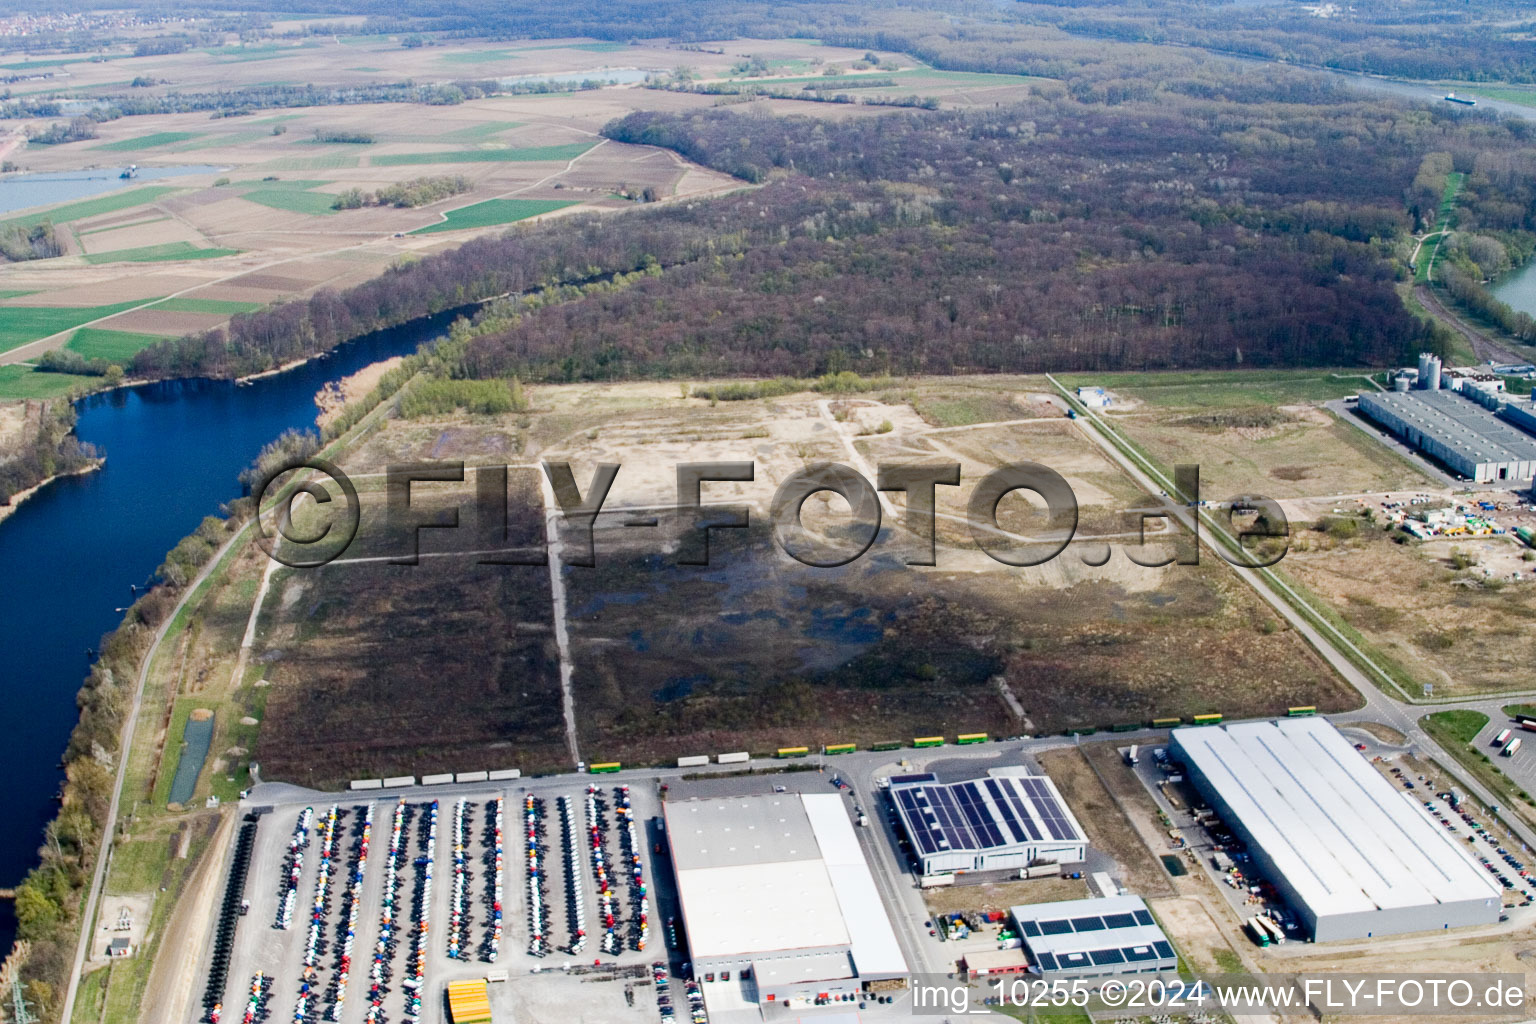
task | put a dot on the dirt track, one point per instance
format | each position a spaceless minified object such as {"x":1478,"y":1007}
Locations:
{"x":1485,"y":350}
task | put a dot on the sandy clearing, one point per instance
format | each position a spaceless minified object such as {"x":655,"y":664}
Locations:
{"x":335,"y":395}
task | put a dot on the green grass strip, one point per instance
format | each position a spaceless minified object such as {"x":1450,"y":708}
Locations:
{"x":146,"y":142}
{"x":113,"y":346}
{"x":492,"y":211}
{"x":569,"y":151}
{"x":22,"y":324}
{"x":158,"y":253}
{"x":110,"y":203}
{"x":293,"y":200}
{"x":223,"y":307}
{"x":19,"y":382}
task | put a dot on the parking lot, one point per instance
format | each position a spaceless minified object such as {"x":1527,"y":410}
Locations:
{"x":362,"y":910}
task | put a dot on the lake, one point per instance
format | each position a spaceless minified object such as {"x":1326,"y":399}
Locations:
{"x":20,"y":191}
{"x":69,"y":554}
{"x":1518,"y":288}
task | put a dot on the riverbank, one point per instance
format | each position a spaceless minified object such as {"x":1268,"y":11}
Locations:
{"x":21,"y":496}
{"x":338,"y":394}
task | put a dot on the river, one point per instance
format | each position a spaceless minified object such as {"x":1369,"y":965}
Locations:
{"x":69,"y":554}
{"x":1518,"y":288}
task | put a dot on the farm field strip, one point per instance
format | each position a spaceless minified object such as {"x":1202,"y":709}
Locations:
{"x":23,"y":324}
{"x":492,"y":212}
{"x":158,"y":253}
{"x":109,"y":203}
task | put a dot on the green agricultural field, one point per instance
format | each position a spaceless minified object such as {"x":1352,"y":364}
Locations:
{"x":113,"y":346}
{"x":146,"y":142}
{"x":475,"y":56}
{"x":324,"y":162}
{"x":492,"y":211}
{"x":478,"y":132}
{"x":1223,"y":389}
{"x":293,"y":200}
{"x":19,"y":382}
{"x":110,"y":203}
{"x":223,"y":307}
{"x":22,"y":324}
{"x":569,"y":151}
{"x":158,"y":253}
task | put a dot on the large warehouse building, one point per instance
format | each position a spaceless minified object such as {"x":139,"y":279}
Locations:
{"x":1353,"y":856}
{"x":998,"y":823}
{"x":776,"y":892}
{"x":1455,"y":431}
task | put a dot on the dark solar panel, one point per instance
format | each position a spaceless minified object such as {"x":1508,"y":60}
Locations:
{"x":1030,"y":928}
{"x":1087,"y":924}
{"x":1024,"y":815}
{"x":1046,"y":962}
{"x":1163,"y":949}
{"x":1119,"y":920}
{"x":951,"y":821}
{"x":1142,"y":917}
{"x":1050,"y":811}
{"x":1005,"y":812}
{"x":1134,"y":954}
{"x":1103,"y":957}
{"x":897,"y":780}
{"x":1062,"y":927}
{"x":977,"y":815}
{"x":922,"y":835}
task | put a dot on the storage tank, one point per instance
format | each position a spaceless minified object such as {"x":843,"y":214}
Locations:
{"x":1433,"y":384}
{"x":1424,"y":358}
{"x":1400,"y":382}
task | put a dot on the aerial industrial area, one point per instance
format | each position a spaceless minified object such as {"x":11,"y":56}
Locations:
{"x":725,"y":512}
{"x":738,"y":889}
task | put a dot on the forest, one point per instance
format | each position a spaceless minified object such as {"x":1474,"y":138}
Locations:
{"x":1187,"y":231}
{"x":1428,"y":39}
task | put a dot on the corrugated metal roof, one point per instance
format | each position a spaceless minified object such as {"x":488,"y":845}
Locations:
{"x":1345,"y":838}
{"x":876,"y":953}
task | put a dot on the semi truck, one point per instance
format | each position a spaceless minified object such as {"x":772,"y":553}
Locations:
{"x":1512,"y":746}
{"x":1257,"y":931}
{"x":1503,"y":737}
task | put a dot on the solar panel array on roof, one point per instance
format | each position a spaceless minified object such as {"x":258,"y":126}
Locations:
{"x":1094,"y":936}
{"x":982,"y":814}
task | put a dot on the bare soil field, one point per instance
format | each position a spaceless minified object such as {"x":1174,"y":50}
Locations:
{"x":1295,"y":451}
{"x":1106,"y":824}
{"x":1444,"y":625}
{"x":381,"y":669}
{"x":754,"y":650}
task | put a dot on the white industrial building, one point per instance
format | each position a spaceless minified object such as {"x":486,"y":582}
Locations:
{"x":1456,"y":431}
{"x":1354,"y":856}
{"x":1001,"y":822}
{"x":1093,"y":938}
{"x":778,"y":902}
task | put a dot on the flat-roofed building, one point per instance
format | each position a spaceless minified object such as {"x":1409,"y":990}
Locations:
{"x":1001,"y":822}
{"x":1354,"y":856}
{"x":1455,"y":431}
{"x":776,"y":890}
{"x":1093,"y":938}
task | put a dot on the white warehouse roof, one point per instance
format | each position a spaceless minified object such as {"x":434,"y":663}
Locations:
{"x":766,"y":876}
{"x":1346,"y":840}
